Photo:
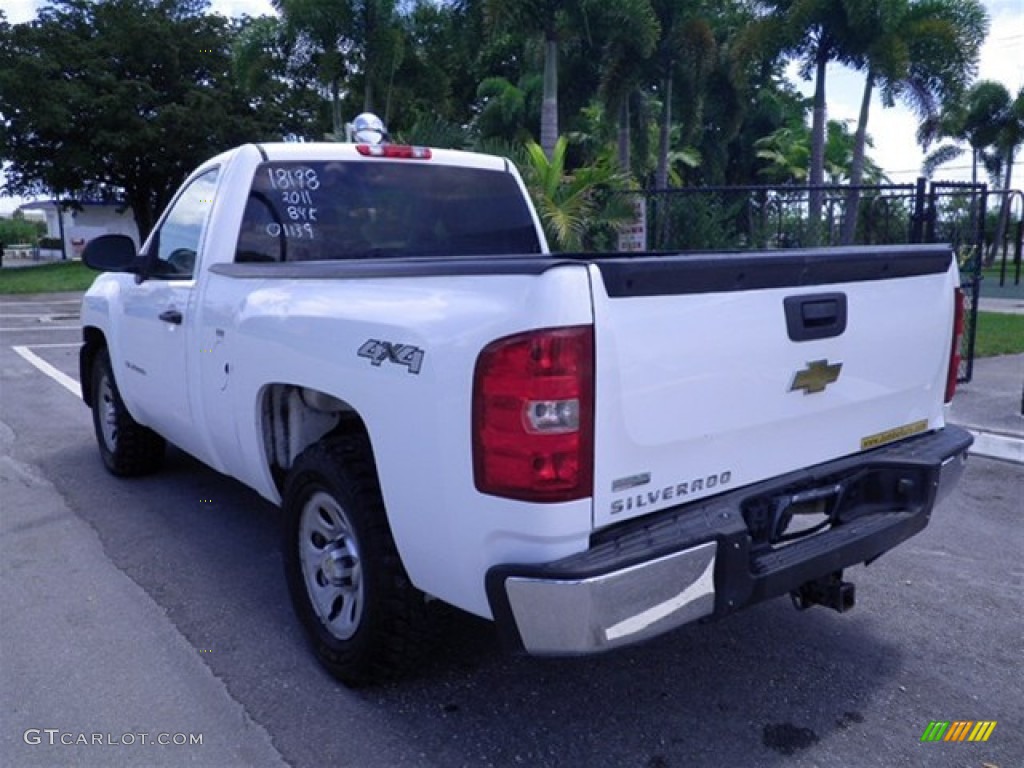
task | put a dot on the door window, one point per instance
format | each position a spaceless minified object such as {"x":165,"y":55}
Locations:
{"x":176,"y":243}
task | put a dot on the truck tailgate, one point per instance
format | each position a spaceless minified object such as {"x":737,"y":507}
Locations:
{"x":717,"y":371}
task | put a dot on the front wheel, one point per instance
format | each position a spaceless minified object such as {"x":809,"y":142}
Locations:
{"x":363,"y":616}
{"x":127,"y":448}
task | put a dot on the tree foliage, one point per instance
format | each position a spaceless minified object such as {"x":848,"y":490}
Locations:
{"x":571,"y":206}
{"x":656,"y":93}
{"x":120,"y":100}
{"x":19,"y":230}
{"x":921,"y":52}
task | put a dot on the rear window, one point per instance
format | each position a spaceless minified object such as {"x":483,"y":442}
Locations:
{"x":350,"y":210}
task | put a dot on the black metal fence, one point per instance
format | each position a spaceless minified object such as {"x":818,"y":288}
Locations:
{"x":741,"y":218}
{"x":1007,"y":234}
{"x":707,"y":218}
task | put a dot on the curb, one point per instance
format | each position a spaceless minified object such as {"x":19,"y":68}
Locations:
{"x":995,"y":446}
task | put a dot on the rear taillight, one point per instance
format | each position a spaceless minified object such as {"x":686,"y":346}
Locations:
{"x":533,"y":416}
{"x":954,"y":353}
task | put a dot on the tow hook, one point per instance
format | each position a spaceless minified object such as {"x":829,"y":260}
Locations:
{"x":830,"y":591}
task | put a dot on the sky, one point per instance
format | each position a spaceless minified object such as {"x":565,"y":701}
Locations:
{"x":893,"y":130}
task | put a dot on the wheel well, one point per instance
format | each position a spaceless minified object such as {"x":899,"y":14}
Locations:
{"x":292,"y":418}
{"x":93,"y":341}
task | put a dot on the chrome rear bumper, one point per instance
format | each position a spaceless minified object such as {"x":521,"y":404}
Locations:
{"x":654,"y":574}
{"x":617,"y":608}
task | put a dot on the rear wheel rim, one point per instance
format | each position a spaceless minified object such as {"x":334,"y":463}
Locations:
{"x":107,"y":414}
{"x":331,"y":564}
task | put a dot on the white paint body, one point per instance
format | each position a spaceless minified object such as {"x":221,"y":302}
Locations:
{"x":686,"y":386}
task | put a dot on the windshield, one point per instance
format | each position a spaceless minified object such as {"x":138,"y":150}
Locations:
{"x":349,"y":210}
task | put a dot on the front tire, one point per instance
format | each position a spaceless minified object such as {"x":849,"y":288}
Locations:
{"x":127,"y":448}
{"x":364,"y":618}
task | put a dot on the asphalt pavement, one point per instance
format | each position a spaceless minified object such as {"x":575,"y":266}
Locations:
{"x":991,"y":406}
{"x":155,"y":610}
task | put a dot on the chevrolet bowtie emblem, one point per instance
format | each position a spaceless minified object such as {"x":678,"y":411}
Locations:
{"x":815,"y":377}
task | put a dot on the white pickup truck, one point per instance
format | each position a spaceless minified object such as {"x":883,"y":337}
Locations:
{"x":589,"y":449}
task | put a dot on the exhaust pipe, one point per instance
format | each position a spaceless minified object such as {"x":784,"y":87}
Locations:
{"x":830,"y":591}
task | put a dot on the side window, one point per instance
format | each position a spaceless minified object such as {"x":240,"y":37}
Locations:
{"x":176,"y":243}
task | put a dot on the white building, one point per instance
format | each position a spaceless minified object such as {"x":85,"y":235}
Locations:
{"x":77,"y":227}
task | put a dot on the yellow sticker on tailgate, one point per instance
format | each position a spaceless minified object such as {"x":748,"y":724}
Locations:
{"x":892,"y":435}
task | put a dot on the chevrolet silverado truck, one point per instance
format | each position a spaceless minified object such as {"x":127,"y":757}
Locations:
{"x":588,"y":449}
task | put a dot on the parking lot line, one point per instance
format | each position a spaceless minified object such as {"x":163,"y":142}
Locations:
{"x":54,"y":345}
{"x":60,"y":377}
{"x":31,"y":329}
{"x":30,"y":314}
{"x":40,"y":303}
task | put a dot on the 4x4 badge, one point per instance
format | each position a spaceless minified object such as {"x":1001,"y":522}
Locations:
{"x":816,"y":376}
{"x":377,"y":351}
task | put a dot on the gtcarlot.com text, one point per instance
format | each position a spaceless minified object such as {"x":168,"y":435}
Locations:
{"x":55,"y":736}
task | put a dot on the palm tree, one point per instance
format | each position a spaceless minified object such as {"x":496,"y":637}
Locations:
{"x":817,"y":32}
{"x":343,"y":38}
{"x":975,"y":120}
{"x":687,"y":50}
{"x":786,"y":152}
{"x":992,"y":124}
{"x":1010,"y":136}
{"x":570,"y":206}
{"x":548,"y":18}
{"x":503,"y":107}
{"x":922,"y":52}
{"x":628,"y":30}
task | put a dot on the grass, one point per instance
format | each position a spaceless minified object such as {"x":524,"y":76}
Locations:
{"x":999,"y":334}
{"x":47,"y":278}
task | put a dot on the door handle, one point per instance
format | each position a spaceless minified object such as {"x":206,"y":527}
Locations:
{"x":817,"y":316}
{"x":171,"y":316}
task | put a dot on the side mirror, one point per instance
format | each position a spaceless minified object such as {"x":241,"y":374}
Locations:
{"x":111,"y":253}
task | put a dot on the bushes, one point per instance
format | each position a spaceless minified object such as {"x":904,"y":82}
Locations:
{"x":19,"y":230}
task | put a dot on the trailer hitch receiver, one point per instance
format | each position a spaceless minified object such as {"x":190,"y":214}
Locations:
{"x":830,"y":591}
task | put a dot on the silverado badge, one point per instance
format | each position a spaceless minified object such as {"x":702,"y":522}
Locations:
{"x":815,"y":377}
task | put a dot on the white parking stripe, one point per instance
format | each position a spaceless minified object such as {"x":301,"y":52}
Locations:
{"x":55,"y":345}
{"x":33,"y":328}
{"x":39,"y":303}
{"x":60,"y":377}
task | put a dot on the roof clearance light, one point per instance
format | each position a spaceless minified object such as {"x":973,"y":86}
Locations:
{"x":394,"y":151}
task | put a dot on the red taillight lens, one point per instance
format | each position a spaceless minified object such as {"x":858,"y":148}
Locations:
{"x":395,"y":151}
{"x":954,"y":353}
{"x":533,"y":416}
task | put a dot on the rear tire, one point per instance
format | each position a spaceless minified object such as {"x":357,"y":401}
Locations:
{"x":127,"y":448}
{"x":364,"y":618}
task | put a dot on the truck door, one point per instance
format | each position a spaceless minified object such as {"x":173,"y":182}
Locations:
{"x":157,"y":332}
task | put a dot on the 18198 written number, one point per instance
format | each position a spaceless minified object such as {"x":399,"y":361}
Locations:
{"x":294,"y":178}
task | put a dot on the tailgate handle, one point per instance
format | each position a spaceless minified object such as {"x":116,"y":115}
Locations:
{"x":816,"y":316}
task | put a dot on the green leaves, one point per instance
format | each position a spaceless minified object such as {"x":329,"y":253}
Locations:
{"x":120,"y":100}
{"x":573,"y":206}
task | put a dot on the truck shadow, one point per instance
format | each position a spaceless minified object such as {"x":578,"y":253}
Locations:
{"x":755,"y":689}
